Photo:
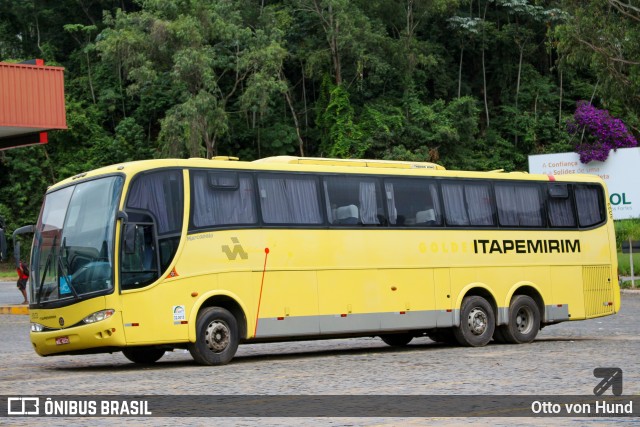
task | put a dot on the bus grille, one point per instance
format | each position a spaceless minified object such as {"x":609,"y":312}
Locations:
{"x":598,"y":291}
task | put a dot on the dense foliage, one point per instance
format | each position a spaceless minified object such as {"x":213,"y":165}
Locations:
{"x":475,"y":84}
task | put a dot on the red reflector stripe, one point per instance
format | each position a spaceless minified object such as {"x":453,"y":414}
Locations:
{"x":560,"y":305}
{"x":343,"y":315}
{"x":403,"y":312}
{"x":135,"y":324}
{"x":184,"y":322}
{"x":280,"y":318}
{"x":449,"y":311}
{"x":610,"y":303}
{"x":551,"y":178}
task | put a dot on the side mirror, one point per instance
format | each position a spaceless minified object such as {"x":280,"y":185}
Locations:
{"x":16,"y":243}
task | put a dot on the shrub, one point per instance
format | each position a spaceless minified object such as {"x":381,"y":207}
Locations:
{"x":602,"y":132}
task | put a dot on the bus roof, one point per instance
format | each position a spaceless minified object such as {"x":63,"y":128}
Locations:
{"x":327,"y":165}
{"x":368,"y":163}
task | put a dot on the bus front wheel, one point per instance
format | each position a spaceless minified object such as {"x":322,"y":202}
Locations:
{"x":477,"y":322}
{"x":143,"y":355}
{"x":216,"y":337}
{"x":524,"y":321}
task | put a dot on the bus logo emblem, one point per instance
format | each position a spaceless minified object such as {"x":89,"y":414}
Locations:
{"x":237,"y":250}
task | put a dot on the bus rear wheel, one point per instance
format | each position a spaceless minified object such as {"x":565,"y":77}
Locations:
{"x":524,"y":321}
{"x":143,"y":355}
{"x":216,"y":337}
{"x":397,"y":340}
{"x":477,"y":322}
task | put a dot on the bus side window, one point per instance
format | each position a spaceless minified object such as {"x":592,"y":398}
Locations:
{"x":221,"y":198}
{"x":560,"y":207}
{"x":589,"y":204}
{"x":412,"y":202}
{"x":354,"y":200}
{"x":468,"y":203}
{"x":155,"y":206}
{"x":454,"y":204}
{"x":289,"y":199}
{"x":139,"y":256}
{"x":519,"y":205}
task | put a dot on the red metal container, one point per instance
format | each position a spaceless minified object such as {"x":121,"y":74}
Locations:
{"x":31,"y":102}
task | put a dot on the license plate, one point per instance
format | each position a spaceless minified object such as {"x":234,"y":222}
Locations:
{"x":62,"y":340}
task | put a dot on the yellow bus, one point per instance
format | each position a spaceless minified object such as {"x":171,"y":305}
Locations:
{"x":150,"y":256}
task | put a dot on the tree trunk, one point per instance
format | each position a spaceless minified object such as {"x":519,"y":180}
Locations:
{"x":93,"y":93}
{"x":560,"y":103}
{"x":334,"y":26}
{"x":484,"y":68}
{"x":518,"y":88}
{"x":460,"y":71}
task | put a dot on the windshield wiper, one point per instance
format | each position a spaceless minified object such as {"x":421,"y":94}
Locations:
{"x":44,"y":273}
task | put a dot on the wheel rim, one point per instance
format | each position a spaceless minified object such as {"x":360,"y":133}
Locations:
{"x":217,"y":336}
{"x":524,"y":320}
{"x":477,"y":321}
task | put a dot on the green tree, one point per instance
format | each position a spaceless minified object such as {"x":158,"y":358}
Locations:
{"x":600,"y":37}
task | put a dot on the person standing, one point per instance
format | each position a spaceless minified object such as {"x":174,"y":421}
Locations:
{"x":23,"y":277}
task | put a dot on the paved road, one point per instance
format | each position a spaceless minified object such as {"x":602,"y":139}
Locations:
{"x":9,"y":293}
{"x":560,"y":361}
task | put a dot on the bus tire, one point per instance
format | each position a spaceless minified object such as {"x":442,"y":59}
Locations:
{"x":216,"y":337}
{"x":524,"y":321}
{"x":443,"y":335}
{"x":477,"y":322}
{"x":397,"y":340}
{"x":143,"y":355}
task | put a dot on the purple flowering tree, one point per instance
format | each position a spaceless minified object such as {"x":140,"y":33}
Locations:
{"x":602,"y":133}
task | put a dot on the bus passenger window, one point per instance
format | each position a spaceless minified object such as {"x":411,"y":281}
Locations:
{"x":590,"y":204}
{"x":221,"y":198}
{"x":454,"y":206}
{"x":353,"y":201}
{"x":289,"y":199}
{"x":519,"y":205}
{"x":560,"y":207}
{"x":412,"y":202}
{"x":468,"y":204}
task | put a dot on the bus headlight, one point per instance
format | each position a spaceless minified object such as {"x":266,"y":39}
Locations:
{"x":36,"y":327}
{"x":98,"y":316}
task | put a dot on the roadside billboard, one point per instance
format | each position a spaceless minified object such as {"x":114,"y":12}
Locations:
{"x":621,"y":173}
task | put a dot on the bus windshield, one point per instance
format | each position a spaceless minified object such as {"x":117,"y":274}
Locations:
{"x":72,"y":255}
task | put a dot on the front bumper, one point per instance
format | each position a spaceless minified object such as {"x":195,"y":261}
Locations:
{"x":108,"y":333}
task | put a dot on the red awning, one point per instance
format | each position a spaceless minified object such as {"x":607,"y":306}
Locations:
{"x":31,"y":103}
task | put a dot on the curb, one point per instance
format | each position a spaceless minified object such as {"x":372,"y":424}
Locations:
{"x":14,"y":309}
